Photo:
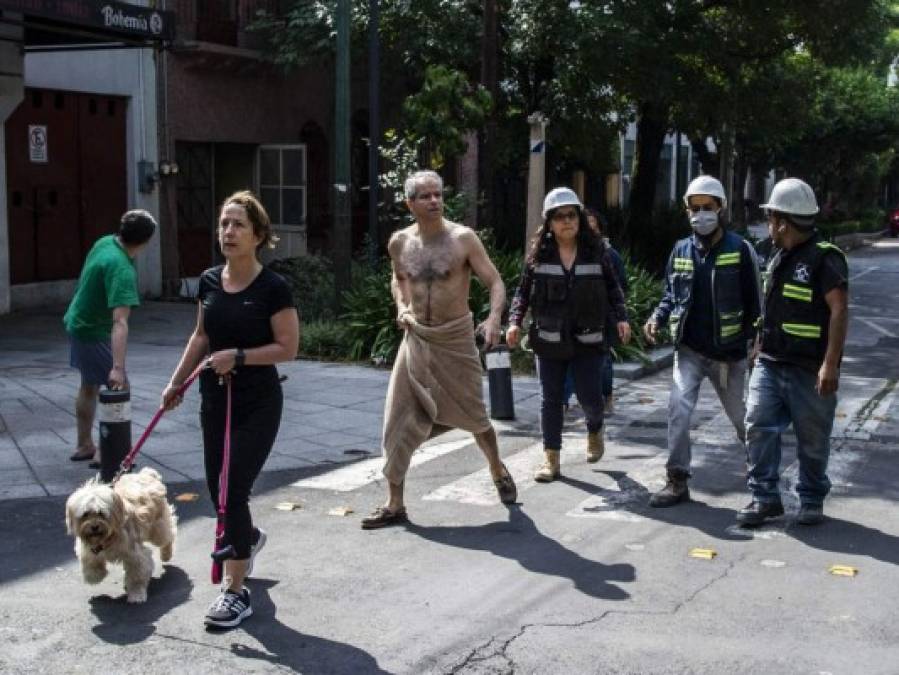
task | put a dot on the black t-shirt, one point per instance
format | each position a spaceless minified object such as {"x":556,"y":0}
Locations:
{"x":833,"y":272}
{"x":242,"y":319}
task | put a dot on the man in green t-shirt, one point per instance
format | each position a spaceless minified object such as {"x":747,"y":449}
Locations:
{"x":97,"y":319}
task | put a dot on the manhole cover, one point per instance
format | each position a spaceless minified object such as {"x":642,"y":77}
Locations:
{"x":33,"y":372}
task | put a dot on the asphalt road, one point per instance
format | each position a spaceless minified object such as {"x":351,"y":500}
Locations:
{"x":579,"y":577}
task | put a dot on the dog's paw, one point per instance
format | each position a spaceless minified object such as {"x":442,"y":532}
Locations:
{"x":165,"y":552}
{"x":138,"y":596}
{"x":94,"y":574}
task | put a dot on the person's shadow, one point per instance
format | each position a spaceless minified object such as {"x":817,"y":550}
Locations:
{"x":633,"y":497}
{"x":122,"y":623}
{"x":294,"y":650}
{"x":844,"y":536}
{"x":519,"y":539}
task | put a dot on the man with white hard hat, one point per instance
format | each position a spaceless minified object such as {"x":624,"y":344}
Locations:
{"x":710,"y":305}
{"x":804,"y":322}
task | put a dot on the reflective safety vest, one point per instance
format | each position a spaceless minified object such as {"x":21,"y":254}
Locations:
{"x":568,"y":309}
{"x":727,"y":291}
{"x":796,"y":317}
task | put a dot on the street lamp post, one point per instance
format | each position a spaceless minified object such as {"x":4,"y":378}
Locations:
{"x":342,"y":242}
{"x":374,"y":128}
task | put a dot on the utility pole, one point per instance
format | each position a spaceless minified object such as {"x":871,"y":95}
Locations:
{"x":490,"y":81}
{"x":536,"y":176}
{"x":374,"y":128}
{"x":342,"y":239}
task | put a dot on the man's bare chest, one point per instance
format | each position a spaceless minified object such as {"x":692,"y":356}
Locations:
{"x":432,"y":261}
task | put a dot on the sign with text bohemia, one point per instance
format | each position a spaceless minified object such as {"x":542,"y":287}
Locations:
{"x":107,"y":17}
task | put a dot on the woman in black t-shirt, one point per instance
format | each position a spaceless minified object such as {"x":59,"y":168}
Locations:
{"x":247,"y":322}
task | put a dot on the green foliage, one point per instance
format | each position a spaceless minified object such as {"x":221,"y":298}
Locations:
{"x":445,"y":108}
{"x":869,"y":221}
{"x":325,"y":340}
{"x":507,"y":263}
{"x":644,"y":292}
{"x":311,"y":280}
{"x":369,"y":314}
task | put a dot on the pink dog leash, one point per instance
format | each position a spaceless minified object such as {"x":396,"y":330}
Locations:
{"x":132,"y":454}
{"x":220,"y":553}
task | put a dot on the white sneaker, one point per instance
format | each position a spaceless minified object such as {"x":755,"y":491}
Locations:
{"x":255,"y":548}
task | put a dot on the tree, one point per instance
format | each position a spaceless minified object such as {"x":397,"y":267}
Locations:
{"x":677,"y":63}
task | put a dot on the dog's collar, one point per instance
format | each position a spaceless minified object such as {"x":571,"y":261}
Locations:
{"x":97,"y":550}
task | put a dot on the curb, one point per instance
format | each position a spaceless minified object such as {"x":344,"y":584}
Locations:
{"x":658,"y":359}
{"x":847,"y":242}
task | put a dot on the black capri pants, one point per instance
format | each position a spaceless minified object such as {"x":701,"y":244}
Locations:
{"x":255,"y":418}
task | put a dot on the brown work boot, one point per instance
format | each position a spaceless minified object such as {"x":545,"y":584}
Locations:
{"x":550,"y":469}
{"x":674,"y":492}
{"x":595,"y":446}
{"x":610,"y":405}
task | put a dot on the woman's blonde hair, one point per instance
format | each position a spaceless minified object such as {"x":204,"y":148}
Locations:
{"x":262,"y":224}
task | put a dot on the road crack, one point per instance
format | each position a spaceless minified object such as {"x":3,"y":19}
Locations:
{"x":495,"y":649}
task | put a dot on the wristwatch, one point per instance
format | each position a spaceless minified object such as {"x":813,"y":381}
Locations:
{"x":239,"y":358}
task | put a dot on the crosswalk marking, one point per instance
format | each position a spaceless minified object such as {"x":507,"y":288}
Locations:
{"x":863,"y":404}
{"x":359,"y":474}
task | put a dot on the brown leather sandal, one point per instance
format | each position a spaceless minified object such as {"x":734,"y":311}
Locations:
{"x":382,"y":517}
{"x":505,"y":486}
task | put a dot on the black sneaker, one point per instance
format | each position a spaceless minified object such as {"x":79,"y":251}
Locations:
{"x":755,"y":513}
{"x":229,"y":609}
{"x":257,"y":546}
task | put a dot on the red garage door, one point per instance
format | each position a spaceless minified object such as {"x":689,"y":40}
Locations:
{"x":66,"y":180}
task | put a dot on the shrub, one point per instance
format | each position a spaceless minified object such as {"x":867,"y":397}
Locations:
{"x":369,"y":314}
{"x":644,"y":292}
{"x":508,"y":264}
{"x":311,"y":279}
{"x":328,"y":340}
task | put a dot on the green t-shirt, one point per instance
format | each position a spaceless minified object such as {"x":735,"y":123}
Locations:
{"x":108,"y":280}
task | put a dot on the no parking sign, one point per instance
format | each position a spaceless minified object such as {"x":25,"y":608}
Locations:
{"x":37,"y":143}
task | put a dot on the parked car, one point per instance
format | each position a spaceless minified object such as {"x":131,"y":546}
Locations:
{"x":893,"y":221}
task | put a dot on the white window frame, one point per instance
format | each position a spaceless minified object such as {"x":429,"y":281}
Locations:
{"x":281,"y":186}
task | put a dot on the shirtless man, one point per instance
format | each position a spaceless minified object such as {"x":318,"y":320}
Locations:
{"x":436,"y":378}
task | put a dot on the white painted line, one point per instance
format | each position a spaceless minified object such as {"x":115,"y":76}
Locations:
{"x":362,"y":473}
{"x":478,"y":488}
{"x":863,"y":273}
{"x":879,"y":329}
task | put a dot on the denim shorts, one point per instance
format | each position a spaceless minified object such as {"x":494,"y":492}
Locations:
{"x":93,"y":358}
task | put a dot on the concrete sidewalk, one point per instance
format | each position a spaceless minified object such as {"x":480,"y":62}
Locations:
{"x":332,"y":412}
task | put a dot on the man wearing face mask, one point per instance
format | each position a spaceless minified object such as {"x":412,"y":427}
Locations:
{"x":710,"y":305}
{"x":801,"y":343}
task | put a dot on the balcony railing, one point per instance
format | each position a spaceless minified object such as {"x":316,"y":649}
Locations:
{"x":223,"y":22}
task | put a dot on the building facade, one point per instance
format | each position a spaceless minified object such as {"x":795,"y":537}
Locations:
{"x":79,"y":143}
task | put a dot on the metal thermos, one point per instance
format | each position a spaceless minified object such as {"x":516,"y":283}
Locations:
{"x":115,"y":430}
{"x":499,"y":381}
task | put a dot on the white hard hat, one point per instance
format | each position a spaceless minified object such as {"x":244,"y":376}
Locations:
{"x":706,"y":185}
{"x":793,"y":196}
{"x":560,"y":196}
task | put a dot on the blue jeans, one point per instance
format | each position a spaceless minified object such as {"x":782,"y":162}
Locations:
{"x":781,"y":393}
{"x":606,"y":378}
{"x":584,"y":368}
{"x":690,"y":369}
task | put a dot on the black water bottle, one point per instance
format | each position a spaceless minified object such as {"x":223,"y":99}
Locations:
{"x":499,"y":382}
{"x":115,"y":430}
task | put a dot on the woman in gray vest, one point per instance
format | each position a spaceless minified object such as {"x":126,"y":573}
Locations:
{"x":569,"y":284}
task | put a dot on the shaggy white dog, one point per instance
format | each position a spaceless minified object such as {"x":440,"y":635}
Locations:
{"x":111,"y":524}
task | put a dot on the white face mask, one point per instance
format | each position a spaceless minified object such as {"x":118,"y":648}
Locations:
{"x":704,"y":222}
